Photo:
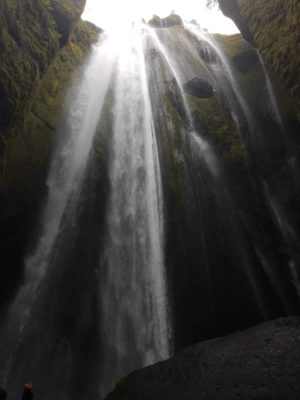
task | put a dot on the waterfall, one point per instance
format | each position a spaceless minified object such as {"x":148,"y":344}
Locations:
{"x":64,"y":181}
{"x":242,"y":112}
{"x":273,"y":101}
{"x":198,"y":149}
{"x":131,"y":327}
{"x":223,"y":72}
{"x":150,"y":239}
{"x":133,"y":289}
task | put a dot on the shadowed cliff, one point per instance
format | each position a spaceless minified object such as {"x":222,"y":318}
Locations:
{"x":273,"y":27}
{"x":42,"y":44}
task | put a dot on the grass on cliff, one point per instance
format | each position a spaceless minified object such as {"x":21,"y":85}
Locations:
{"x":275,"y":28}
{"x":25,"y":159}
{"x":219,"y":130}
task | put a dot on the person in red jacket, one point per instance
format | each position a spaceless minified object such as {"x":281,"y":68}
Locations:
{"x":28,"y":393}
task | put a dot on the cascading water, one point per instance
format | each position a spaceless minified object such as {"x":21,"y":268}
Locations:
{"x":133,"y":288}
{"x":132,"y":291}
{"x":273,"y":101}
{"x":146,"y":243}
{"x":66,"y":176}
{"x":223,"y":70}
{"x":170,"y":44}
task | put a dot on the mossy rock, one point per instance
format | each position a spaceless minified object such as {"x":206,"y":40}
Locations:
{"x":234,"y":44}
{"x":219,"y":129}
{"x":25,"y":158}
{"x":251,"y":77}
{"x":273,"y":27}
{"x":172,"y":20}
{"x":119,"y":384}
{"x":32,"y":33}
{"x":199,"y":88}
{"x":66,"y":14}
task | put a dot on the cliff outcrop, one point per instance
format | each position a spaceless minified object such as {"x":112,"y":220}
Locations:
{"x":42,"y":45}
{"x":273,"y":27}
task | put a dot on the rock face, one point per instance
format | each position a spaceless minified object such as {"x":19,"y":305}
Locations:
{"x":66,"y":14}
{"x":32,"y":33}
{"x":231,"y":9}
{"x":273,"y":27}
{"x":184,"y":223}
{"x":245,"y":61}
{"x":260,"y":363}
{"x":199,"y":88}
{"x":35,"y":70}
{"x":171,"y":20}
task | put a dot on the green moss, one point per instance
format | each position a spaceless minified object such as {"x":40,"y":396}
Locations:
{"x":31,"y":137}
{"x":27,"y":147}
{"x":31,"y":33}
{"x":252,"y":81}
{"x":233,"y":44}
{"x":120,"y":383}
{"x":104,"y":131}
{"x":274,"y":27}
{"x":186,"y":44}
{"x":171,"y":130}
{"x":172,"y":20}
{"x":169,"y":119}
{"x":219,"y":129}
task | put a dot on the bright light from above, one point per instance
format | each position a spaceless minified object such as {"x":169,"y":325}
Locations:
{"x":115,"y":13}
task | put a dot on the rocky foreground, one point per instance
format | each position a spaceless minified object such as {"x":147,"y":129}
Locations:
{"x":260,"y":363}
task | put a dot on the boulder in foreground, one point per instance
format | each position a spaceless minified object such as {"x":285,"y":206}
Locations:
{"x":260,"y":363}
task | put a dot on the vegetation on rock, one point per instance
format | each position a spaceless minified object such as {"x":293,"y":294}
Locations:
{"x":172,"y":20}
{"x":273,"y":27}
{"x":32,"y":33}
{"x":35,"y":73}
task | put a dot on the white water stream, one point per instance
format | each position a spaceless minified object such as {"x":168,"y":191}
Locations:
{"x":134,"y":290}
{"x":135,"y":328}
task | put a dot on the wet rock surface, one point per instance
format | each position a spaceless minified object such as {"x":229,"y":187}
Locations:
{"x":260,"y":363}
{"x":245,"y":61}
{"x":273,"y":28}
{"x":171,"y":20}
{"x":38,"y":63}
{"x":199,"y":88}
{"x":32,"y":34}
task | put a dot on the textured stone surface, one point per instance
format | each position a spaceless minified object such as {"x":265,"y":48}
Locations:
{"x":258,"y":364}
{"x":199,"y":88}
{"x":171,"y":20}
{"x":32,"y":33}
{"x":32,"y":90}
{"x":273,"y":27}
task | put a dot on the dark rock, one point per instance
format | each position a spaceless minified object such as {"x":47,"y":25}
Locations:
{"x":66,"y":14}
{"x":260,"y":363}
{"x":171,"y":20}
{"x":207,"y":55}
{"x":274,"y":29}
{"x":245,"y":61}
{"x":231,"y":9}
{"x":32,"y":34}
{"x":199,"y":88}
{"x":34,"y":74}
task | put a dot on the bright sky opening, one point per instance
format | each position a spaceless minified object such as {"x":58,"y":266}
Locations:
{"x":115,"y":13}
